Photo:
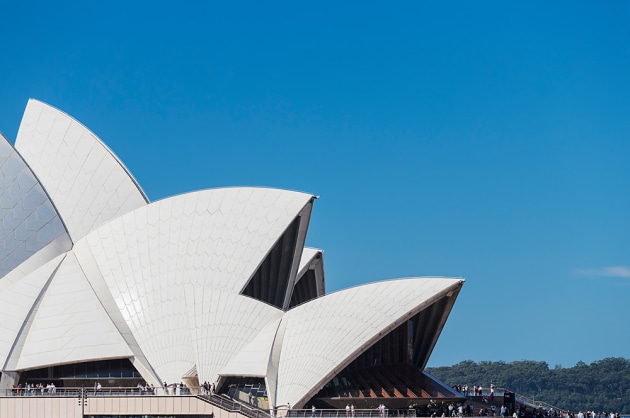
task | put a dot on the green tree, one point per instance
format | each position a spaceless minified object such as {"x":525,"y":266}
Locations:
{"x":603,"y":385}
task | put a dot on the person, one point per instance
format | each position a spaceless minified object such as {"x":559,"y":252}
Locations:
{"x":352,"y":410}
{"x":313,"y":411}
{"x":347,"y":410}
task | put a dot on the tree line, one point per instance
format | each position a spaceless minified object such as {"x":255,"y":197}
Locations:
{"x":603,"y":385}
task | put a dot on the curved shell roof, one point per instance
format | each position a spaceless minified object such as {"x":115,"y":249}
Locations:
{"x":343,"y":324}
{"x":28,"y":219}
{"x":312,"y":259}
{"x":216,"y":236}
{"x":254,"y":358}
{"x":223,"y":324}
{"x":308,"y":255}
{"x":17,"y":297}
{"x":85,"y":180}
{"x":212,"y":240}
{"x":90,"y":271}
{"x":70,"y":325}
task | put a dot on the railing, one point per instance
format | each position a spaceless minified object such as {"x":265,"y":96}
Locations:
{"x":536,"y":404}
{"x":484,"y":392}
{"x":103,"y":391}
{"x":342,"y":413}
{"x":524,"y":400}
{"x":233,"y":406}
{"x":198,"y":392}
{"x":259,"y":402}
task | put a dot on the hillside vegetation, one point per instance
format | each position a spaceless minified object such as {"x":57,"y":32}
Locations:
{"x":600,"y":386}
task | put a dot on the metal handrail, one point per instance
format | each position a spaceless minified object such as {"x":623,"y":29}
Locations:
{"x":233,"y":406}
{"x":78,"y":392}
{"x":342,"y":413}
{"x":531,"y":402}
{"x":103,"y":391}
{"x":484,"y":392}
{"x":525,"y":400}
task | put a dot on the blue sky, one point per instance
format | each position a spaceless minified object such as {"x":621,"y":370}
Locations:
{"x":488,"y":140}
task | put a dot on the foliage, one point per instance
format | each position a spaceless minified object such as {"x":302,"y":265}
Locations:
{"x":601,"y":386}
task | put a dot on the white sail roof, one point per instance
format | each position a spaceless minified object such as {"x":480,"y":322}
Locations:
{"x":312,"y":259}
{"x":69,"y":324}
{"x":322,"y":336}
{"x":85,"y":180}
{"x":308,"y":256}
{"x":210,"y":239}
{"x":224,"y":324}
{"x":28,"y":219}
{"x":216,"y":281}
{"x":255,"y":357}
{"x":18,"y":295}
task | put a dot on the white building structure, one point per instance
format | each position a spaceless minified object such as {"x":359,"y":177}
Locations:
{"x":212,"y":286}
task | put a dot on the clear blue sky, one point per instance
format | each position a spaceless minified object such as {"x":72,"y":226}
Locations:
{"x":489,"y":140}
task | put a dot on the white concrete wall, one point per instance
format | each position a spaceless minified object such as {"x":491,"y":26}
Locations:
{"x":41,"y":407}
{"x":61,"y":407}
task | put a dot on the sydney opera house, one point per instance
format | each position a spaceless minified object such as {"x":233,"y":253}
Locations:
{"x":99,"y":284}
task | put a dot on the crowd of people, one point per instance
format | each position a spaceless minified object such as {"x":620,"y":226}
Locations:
{"x":34,"y":390}
{"x":174,"y":388}
{"x":592,"y":414}
{"x":146,"y":389}
{"x":466,"y":410}
{"x":477,"y":390}
{"x":208,"y":388}
{"x":521,"y":411}
{"x":50,"y":389}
